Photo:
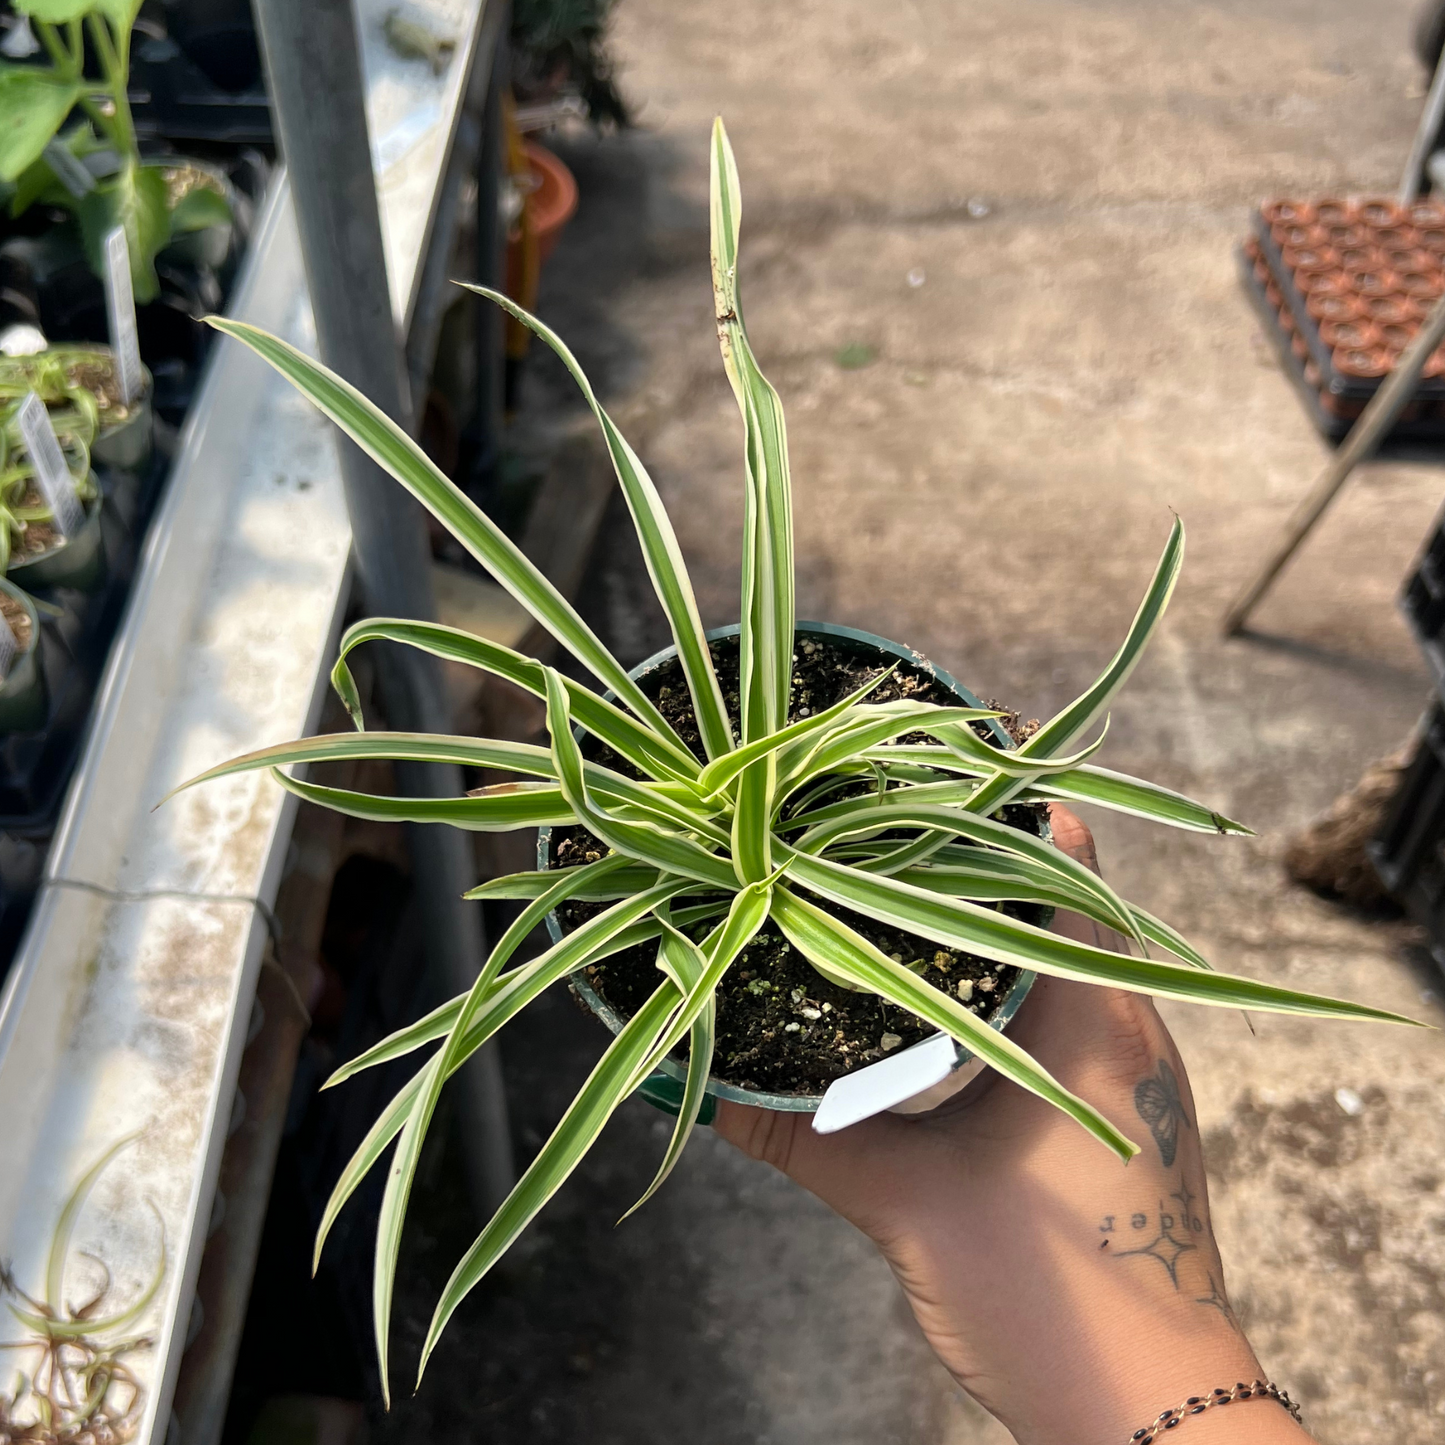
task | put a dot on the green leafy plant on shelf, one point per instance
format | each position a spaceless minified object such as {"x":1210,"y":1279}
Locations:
{"x":26,"y":517}
{"x":699,"y":852}
{"x":155,"y":201}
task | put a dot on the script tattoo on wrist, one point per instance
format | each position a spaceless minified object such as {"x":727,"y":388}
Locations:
{"x":1160,"y":1106}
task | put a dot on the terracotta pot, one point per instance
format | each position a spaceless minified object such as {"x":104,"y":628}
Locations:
{"x":1432,"y":239}
{"x":1272,"y":295}
{"x":1335,"y":308}
{"x":1392,"y":310}
{"x":552,"y":202}
{"x":1371,"y":361}
{"x":1380,"y":213}
{"x":1422,"y":285}
{"x":1426,"y":213}
{"x":1312,"y":375}
{"x":1346,"y":234}
{"x":1306,"y":261}
{"x":1261,"y":271}
{"x":1287,"y":321}
{"x":1411,"y":259}
{"x":1290,"y":212}
{"x":1326,"y":283}
{"x":1295,"y":235}
{"x":1379,"y":282}
{"x":1335,"y":212}
{"x":1396,"y":338}
{"x":1435,"y":363}
{"x":1396,"y":235}
{"x":1355,"y":335}
{"x":1251,"y":247}
{"x":1362,"y":258}
{"x":1299,"y":346}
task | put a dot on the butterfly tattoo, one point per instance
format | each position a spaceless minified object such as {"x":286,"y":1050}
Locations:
{"x":1160,"y":1107}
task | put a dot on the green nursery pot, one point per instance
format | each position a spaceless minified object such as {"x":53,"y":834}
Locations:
{"x":23,"y":704}
{"x":78,"y":563}
{"x":664,"y":1088}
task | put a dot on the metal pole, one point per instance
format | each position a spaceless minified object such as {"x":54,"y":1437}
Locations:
{"x":1425,"y":135}
{"x":1364,"y":437}
{"x":491,"y":267}
{"x":313,"y":70}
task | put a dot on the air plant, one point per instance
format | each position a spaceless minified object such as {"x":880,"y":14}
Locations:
{"x":700,"y":851}
{"x":78,"y":1387}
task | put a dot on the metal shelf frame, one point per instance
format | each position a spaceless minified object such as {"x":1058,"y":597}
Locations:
{"x":126,"y":1010}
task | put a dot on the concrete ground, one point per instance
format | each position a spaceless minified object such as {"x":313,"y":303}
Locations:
{"x":1026,"y":214}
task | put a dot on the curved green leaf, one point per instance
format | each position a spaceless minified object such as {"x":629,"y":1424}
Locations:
{"x":660,"y":549}
{"x":896,"y":810}
{"x":818,"y":935}
{"x":33,"y":105}
{"x":589,"y":1111}
{"x":648,"y":751}
{"x":622,"y":884}
{"x":670,"y":852}
{"x":957,"y":923}
{"x":530,"y":805}
{"x":392,"y":449}
{"x":1064,"y":727}
{"x":719,"y":773}
{"x":513,"y":992}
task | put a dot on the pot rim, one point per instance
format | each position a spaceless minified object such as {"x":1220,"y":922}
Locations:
{"x":1008,"y":1005}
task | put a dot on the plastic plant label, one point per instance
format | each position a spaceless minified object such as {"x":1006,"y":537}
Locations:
{"x":120,"y":303}
{"x":9,"y":648}
{"x":890,"y":1081}
{"x":69,"y":170}
{"x":52,"y":476}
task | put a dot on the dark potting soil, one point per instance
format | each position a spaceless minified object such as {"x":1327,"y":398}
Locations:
{"x":781,"y":1026}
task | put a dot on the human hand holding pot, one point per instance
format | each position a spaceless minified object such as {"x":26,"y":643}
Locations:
{"x":1075,"y":1297}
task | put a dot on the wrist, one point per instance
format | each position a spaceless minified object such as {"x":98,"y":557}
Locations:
{"x":1136,"y":1368}
{"x":1158,"y":1380}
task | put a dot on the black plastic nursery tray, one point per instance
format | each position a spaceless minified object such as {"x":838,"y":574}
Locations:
{"x":1342,"y":287}
{"x":1409,"y":853}
{"x":45,"y":280}
{"x":1423,"y":602}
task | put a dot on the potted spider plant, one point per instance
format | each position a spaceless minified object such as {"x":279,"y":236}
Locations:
{"x":34,"y":550}
{"x":94,"y":169}
{"x":80,"y":388}
{"x":791,"y":802}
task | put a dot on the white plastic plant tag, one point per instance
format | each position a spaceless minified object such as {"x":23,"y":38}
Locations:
{"x":890,"y":1081}
{"x":69,"y":170}
{"x":52,"y":476}
{"x":9,"y":647}
{"x":120,"y":303}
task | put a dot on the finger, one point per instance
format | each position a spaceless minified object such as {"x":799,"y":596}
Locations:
{"x":1072,"y":836}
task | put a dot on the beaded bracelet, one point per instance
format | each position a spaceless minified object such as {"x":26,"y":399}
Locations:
{"x":1197,"y":1404}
